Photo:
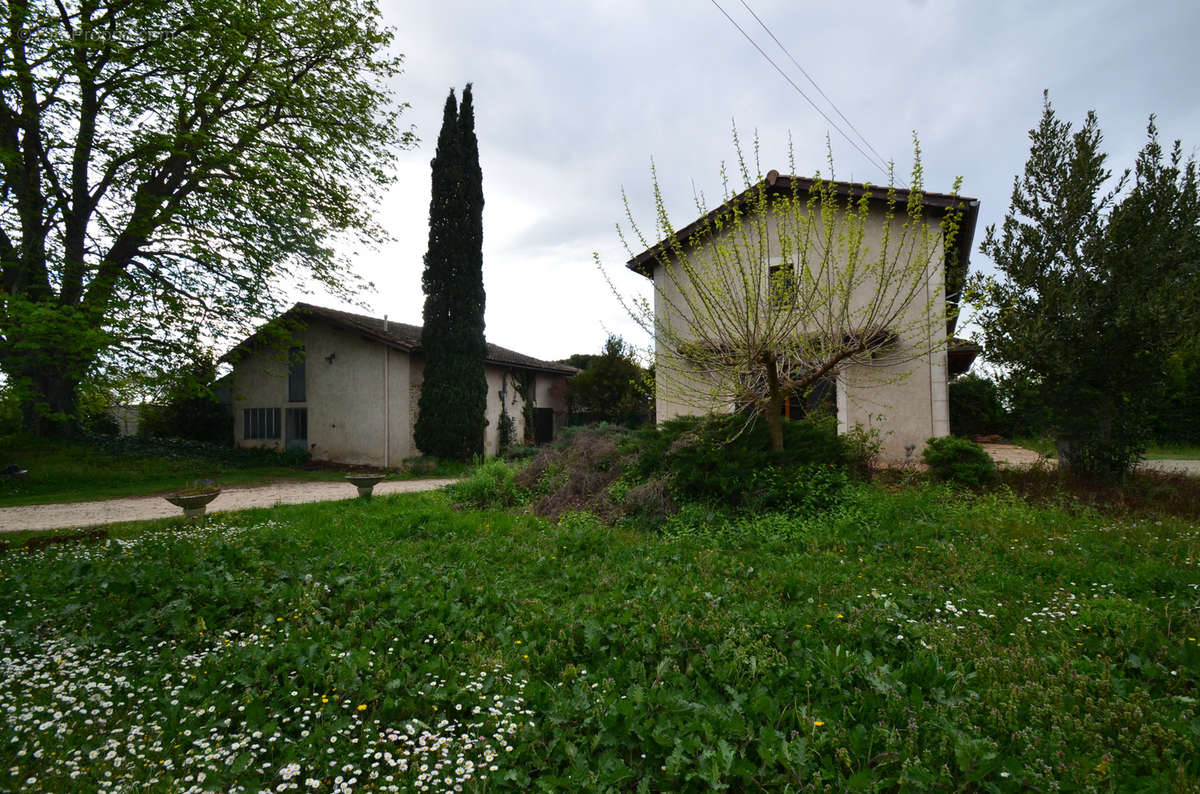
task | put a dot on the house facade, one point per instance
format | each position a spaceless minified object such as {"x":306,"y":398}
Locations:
{"x":903,"y":393}
{"x":346,"y":388}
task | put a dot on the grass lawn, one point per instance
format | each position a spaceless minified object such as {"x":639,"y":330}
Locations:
{"x":108,"y":468}
{"x":916,"y":639}
{"x":1173,"y":452}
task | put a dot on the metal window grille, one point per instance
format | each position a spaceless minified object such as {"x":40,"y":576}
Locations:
{"x":260,"y":423}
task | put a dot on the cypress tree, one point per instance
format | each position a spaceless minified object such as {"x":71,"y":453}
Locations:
{"x":454,"y":393}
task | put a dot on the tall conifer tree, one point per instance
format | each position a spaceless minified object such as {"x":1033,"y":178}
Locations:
{"x":454,"y":393}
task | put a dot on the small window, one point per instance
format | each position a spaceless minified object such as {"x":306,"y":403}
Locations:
{"x":260,"y":423}
{"x":296,"y":393}
{"x":781,"y":281}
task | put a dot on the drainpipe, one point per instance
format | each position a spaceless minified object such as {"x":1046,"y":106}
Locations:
{"x":387,"y":402}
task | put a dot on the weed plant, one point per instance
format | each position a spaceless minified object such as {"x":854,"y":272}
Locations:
{"x":926,"y":639}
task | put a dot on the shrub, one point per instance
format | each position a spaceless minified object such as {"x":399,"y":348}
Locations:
{"x":489,"y":485}
{"x":803,"y":490}
{"x":976,"y":409}
{"x":959,"y":461}
{"x":577,"y":473}
{"x":520,"y":452}
{"x":861,"y":447}
{"x":713,"y":458}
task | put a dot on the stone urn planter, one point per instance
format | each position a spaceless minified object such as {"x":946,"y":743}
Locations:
{"x":364,"y":482}
{"x":193,"y":502}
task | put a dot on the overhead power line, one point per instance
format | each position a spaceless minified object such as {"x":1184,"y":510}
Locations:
{"x":877,"y":163}
{"x":824,"y":96}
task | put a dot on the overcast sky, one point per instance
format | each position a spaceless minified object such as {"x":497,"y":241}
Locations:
{"x":574,"y":98}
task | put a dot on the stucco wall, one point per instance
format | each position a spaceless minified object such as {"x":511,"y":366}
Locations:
{"x":354,"y":415}
{"x":901,"y":394}
{"x":348,"y":418}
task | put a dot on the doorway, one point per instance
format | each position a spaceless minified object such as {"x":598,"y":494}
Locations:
{"x":296,"y":429}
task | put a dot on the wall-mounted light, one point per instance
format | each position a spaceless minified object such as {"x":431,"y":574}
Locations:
{"x":329,"y":358}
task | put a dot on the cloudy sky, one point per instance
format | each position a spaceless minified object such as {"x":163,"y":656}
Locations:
{"x":575,"y":98}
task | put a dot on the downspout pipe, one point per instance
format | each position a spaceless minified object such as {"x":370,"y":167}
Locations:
{"x":387,"y":402}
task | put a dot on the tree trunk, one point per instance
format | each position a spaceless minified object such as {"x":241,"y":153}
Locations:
{"x":50,"y":410}
{"x":774,"y":404}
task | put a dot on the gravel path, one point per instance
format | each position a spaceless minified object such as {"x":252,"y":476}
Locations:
{"x":1010,"y":455}
{"x":143,"y":508}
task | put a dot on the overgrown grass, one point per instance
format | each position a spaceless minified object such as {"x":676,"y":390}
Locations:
{"x":922,"y":639}
{"x":106,"y":468}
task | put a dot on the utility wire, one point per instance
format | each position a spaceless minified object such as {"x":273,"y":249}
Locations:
{"x":832,"y":104}
{"x":799,"y":91}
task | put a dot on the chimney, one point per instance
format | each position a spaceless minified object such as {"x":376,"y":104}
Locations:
{"x":385,"y":324}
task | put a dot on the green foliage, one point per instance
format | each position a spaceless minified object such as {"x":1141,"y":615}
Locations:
{"x":179,"y":162}
{"x":506,"y":431}
{"x":524,"y":383}
{"x":800,"y":490}
{"x":453,"y":401}
{"x":918,"y":640}
{"x":189,"y":408}
{"x":1178,"y":417}
{"x":104,"y":467}
{"x":1096,"y":287}
{"x":959,"y":460}
{"x":976,"y":408}
{"x":613,"y":387}
{"x":861,"y":446}
{"x":788,"y":283}
{"x":714,"y":458}
{"x":491,"y":484}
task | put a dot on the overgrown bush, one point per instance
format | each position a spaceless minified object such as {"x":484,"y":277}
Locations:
{"x":577,"y":473}
{"x":714,"y":458}
{"x":802,"y":490}
{"x":489,"y":485}
{"x":959,"y":461}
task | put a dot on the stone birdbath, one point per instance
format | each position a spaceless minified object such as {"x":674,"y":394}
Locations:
{"x":364,"y":482}
{"x":193,"y":502}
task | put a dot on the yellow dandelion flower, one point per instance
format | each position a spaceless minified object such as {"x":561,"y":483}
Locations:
{"x":818,"y":723}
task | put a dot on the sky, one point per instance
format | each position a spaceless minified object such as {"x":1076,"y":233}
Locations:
{"x":575,"y":99}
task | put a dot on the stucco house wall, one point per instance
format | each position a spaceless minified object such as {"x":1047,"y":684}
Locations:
{"x":902,"y":394}
{"x":361,"y":391}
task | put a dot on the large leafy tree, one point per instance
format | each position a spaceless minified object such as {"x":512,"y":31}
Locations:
{"x":167,"y":168}
{"x":453,"y":399}
{"x":1097,"y":282}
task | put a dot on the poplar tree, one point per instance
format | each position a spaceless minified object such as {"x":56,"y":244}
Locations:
{"x":454,"y":392}
{"x":1096,"y":285}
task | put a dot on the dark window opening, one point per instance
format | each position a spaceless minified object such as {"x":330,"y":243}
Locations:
{"x":296,"y":392}
{"x":820,"y":399}
{"x":260,"y":423}
{"x":781,"y":280}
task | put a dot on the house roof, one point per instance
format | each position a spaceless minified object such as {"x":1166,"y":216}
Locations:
{"x":957,"y":261}
{"x":400,"y":336}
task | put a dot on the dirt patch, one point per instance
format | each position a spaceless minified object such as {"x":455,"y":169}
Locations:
{"x":145,"y":508}
{"x":1012,"y":455}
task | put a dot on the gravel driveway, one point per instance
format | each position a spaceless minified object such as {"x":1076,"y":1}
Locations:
{"x":1011,"y":455}
{"x":143,"y":508}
